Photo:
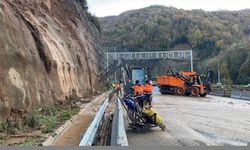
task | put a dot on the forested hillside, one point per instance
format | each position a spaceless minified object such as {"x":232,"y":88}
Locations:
{"x":220,"y":35}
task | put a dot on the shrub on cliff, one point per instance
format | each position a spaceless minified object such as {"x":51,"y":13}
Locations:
{"x":93,"y":19}
{"x":84,"y":4}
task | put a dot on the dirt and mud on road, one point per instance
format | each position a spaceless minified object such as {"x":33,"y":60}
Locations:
{"x":71,"y":135}
{"x":197,"y":121}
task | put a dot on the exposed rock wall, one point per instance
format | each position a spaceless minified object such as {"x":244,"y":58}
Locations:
{"x":47,"y":51}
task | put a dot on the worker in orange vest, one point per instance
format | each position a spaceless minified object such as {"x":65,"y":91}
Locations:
{"x":139,"y":93}
{"x":148,"y":88}
{"x":117,"y":88}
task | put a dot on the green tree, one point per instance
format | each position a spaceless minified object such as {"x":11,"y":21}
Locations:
{"x":196,"y":36}
{"x":219,"y":44}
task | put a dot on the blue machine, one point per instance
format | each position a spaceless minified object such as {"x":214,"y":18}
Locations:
{"x":130,"y":104}
{"x":138,"y":74}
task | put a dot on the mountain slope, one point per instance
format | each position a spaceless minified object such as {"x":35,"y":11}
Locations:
{"x":209,"y":34}
{"x":47,"y":52}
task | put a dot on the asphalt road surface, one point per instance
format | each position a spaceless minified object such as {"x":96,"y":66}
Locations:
{"x":194,"y":121}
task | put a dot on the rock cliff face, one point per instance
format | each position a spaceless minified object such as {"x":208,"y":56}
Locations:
{"x":47,"y":51}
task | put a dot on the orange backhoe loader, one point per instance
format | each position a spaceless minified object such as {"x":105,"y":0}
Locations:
{"x":188,"y":83}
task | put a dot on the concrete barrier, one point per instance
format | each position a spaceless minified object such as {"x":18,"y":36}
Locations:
{"x":245,"y":95}
{"x":223,"y":93}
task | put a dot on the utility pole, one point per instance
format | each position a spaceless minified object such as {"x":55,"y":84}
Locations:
{"x":218,"y":71}
{"x":107,"y":57}
{"x":191,"y":59}
{"x":115,"y":70}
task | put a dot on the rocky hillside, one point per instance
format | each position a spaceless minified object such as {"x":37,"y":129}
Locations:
{"x":212,"y":35}
{"x":47,"y":52}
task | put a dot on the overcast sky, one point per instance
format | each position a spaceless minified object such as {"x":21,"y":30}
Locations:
{"x":114,"y":7}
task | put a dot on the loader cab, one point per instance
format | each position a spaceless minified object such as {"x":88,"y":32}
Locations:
{"x":193,"y":77}
{"x":198,"y":84}
{"x":196,"y":79}
{"x":195,"y":85}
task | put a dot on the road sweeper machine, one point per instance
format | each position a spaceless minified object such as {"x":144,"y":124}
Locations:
{"x":146,"y":117}
{"x":139,"y":116}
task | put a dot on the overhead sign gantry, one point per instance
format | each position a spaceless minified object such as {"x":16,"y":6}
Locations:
{"x":172,"y":55}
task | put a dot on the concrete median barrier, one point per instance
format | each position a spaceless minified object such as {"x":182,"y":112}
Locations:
{"x":245,"y":95}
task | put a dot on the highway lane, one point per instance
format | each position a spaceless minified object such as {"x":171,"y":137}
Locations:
{"x":197,"y":121}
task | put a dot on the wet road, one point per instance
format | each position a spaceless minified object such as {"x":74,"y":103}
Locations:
{"x":197,"y":121}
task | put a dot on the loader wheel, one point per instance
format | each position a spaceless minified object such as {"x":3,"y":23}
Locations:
{"x":179,"y":91}
{"x":194,"y":91}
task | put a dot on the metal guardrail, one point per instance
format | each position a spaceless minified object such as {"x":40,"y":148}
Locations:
{"x":118,"y":135}
{"x":89,"y":135}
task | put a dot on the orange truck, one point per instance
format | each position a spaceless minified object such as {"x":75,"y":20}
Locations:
{"x":183,"y":83}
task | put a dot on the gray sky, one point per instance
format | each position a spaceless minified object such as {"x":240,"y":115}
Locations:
{"x":114,"y":7}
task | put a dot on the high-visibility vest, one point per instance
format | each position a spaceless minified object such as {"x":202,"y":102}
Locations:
{"x":148,"y":88}
{"x":138,"y":89}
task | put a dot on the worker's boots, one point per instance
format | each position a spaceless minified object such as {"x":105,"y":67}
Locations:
{"x":162,"y":126}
